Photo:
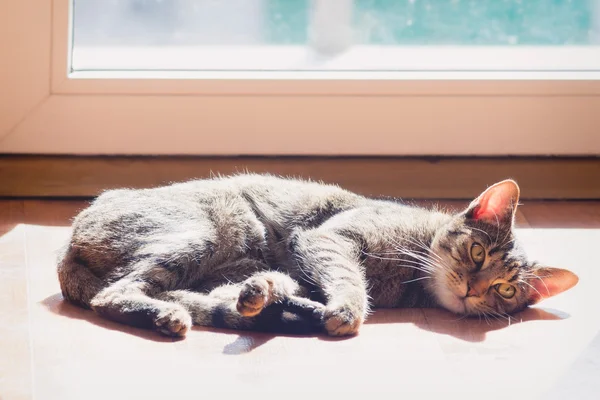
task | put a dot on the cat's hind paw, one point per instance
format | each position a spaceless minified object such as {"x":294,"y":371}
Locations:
{"x":253,"y":297}
{"x":173,"y":322}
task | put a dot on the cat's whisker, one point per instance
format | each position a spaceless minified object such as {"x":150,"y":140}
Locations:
{"x":495,"y":314}
{"x":505,"y":316}
{"x":505,"y":240}
{"x":424,"y":268}
{"x":458,"y":319}
{"x":414,"y":255}
{"x":502,"y":315}
{"x":541,"y":277}
{"x":544,"y":283}
{"x":441,"y":265}
{"x":492,"y":318}
{"x":384,"y":253}
{"x":417,"y":243}
{"x":421,"y":260}
{"x":527,"y":283}
{"x":504,"y":244}
{"x":492,"y":314}
{"x":439,"y":260}
{"x":420,"y":253}
{"x":420,"y":243}
{"x":385,"y":258}
{"x":417,"y":279}
{"x":426,"y":249}
{"x":425,"y":256}
{"x":416,"y":268}
{"x":429,"y":266}
{"x":487,"y":321}
{"x":498,"y":226}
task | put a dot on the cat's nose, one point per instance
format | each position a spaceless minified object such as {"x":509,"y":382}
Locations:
{"x":471,"y":292}
{"x":476,"y":289}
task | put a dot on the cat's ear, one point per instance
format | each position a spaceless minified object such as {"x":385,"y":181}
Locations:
{"x":497,"y":204}
{"x":547,"y":282}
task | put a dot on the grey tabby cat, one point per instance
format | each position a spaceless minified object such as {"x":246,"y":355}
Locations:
{"x":260,"y":252}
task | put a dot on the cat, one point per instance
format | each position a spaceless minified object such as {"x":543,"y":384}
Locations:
{"x":260,"y":252}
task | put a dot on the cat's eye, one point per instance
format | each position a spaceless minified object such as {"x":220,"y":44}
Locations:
{"x":505,"y":290}
{"x":477,"y":253}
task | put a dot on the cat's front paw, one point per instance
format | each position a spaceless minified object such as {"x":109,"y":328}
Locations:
{"x":173,"y":321}
{"x":253,"y":297}
{"x":342,"y":321}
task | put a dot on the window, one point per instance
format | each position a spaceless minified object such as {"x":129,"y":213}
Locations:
{"x":336,"y":35}
{"x":301,"y":77}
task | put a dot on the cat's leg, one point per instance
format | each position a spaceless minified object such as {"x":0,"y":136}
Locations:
{"x":216,"y":309}
{"x":128,"y":301}
{"x":332,"y":263}
{"x":255,"y":304}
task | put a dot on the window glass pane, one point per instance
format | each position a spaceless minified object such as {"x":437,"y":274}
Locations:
{"x":475,"y":22}
{"x":296,"y":35}
{"x":189,"y":22}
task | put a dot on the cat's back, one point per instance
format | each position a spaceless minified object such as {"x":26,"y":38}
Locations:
{"x":273,"y":197}
{"x":295,"y":202}
{"x":264,"y":185}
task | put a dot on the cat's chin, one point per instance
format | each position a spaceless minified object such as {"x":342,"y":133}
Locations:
{"x":450,"y":301}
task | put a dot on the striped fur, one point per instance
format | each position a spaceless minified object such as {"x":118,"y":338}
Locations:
{"x":267,"y":253}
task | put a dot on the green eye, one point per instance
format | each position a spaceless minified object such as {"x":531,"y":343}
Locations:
{"x":505,"y":290}
{"x":477,"y":253}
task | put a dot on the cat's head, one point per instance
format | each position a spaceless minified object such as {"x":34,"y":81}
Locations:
{"x":481,"y":266}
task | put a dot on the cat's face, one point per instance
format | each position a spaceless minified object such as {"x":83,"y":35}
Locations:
{"x":480,"y":267}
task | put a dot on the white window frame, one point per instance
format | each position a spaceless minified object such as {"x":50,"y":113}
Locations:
{"x":46,"y":109}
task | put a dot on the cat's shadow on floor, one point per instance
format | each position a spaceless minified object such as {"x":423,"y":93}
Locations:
{"x":470,"y":329}
{"x":433,"y":320}
{"x":57,"y":305}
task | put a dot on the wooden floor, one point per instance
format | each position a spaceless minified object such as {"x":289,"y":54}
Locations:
{"x":52,"y":350}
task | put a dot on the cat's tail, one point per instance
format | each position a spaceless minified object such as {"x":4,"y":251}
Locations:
{"x":77,"y":283}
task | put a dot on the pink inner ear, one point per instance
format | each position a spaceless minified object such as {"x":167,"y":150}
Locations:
{"x":546,"y":287}
{"x":497,"y":202}
{"x":550,"y":282}
{"x":490,"y":208}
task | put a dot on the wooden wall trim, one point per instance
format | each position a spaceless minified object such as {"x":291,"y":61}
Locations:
{"x":427,"y":178}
